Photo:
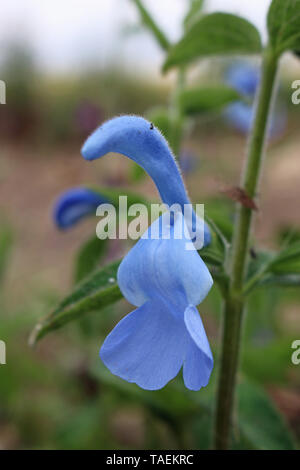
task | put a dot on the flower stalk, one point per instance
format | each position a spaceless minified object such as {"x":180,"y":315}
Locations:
{"x":234,"y":304}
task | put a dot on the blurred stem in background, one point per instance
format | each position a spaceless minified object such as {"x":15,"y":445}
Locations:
{"x":234,"y":305}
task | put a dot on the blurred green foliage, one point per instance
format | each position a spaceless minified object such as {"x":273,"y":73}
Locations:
{"x":61,"y":396}
{"x":53,"y":110}
{"x":109,"y":92}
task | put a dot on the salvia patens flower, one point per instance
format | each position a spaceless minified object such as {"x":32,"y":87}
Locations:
{"x":245,"y":78}
{"x":166,"y":282}
{"x":163,"y":279}
{"x":74,"y":204}
{"x":139,"y":140}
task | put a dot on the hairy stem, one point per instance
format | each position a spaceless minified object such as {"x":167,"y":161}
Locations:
{"x":235,"y":303}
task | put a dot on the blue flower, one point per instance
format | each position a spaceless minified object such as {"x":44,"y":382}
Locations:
{"x":245,"y":79}
{"x":139,"y":140}
{"x":240,"y":115}
{"x":163,"y":279}
{"x":166,"y":282}
{"x":74,"y":204}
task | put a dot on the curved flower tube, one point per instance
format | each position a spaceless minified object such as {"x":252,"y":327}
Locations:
{"x":74,"y":204}
{"x":245,"y":79}
{"x":139,"y":140}
{"x":166,"y":282}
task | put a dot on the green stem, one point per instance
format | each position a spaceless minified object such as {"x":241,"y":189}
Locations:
{"x":235,"y":303}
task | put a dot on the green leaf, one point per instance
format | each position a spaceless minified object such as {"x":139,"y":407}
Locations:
{"x":149,"y":22}
{"x":219,"y":211}
{"x":206,"y":99}
{"x":214,"y":253}
{"x":260,"y":422}
{"x":257,"y":269}
{"x":88,"y":257}
{"x":257,"y":425}
{"x":212,"y":256}
{"x":287,"y":261}
{"x":289,"y":280}
{"x":267,"y":362}
{"x":95,"y":293}
{"x":259,"y":263}
{"x":195,"y":10}
{"x":281,"y":269}
{"x":215,"y":34}
{"x":288,"y":235}
{"x":284,"y":25}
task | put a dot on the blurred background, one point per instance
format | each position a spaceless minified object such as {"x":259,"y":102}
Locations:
{"x":68,"y":66}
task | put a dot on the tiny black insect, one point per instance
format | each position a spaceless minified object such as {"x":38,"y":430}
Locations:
{"x":151,"y":126}
{"x":253,"y":253}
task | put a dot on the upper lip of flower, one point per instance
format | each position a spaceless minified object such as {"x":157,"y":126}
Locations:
{"x":136,"y":138}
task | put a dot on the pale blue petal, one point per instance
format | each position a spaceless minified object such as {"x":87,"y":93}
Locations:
{"x":74,"y":204}
{"x":139,"y":140}
{"x":146,"y":347}
{"x":164,"y":268}
{"x":198,"y":363}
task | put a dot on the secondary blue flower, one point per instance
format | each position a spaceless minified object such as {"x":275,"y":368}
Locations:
{"x":245,"y":79}
{"x":240,"y":115}
{"x":139,"y":140}
{"x":151,"y":344}
{"x":74,"y":204}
